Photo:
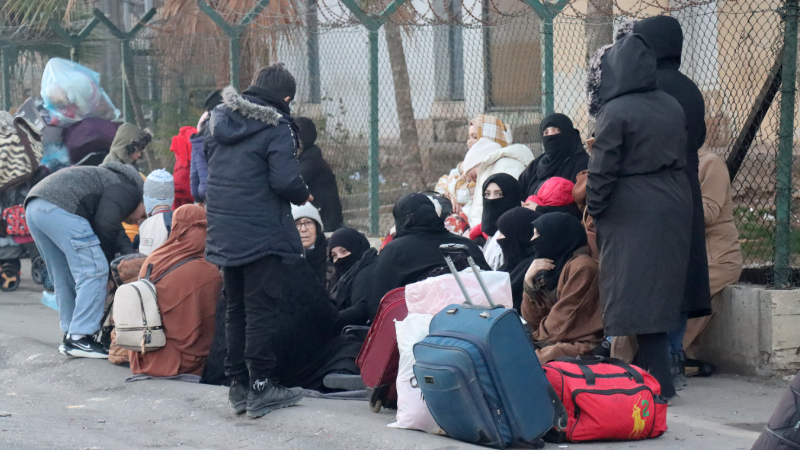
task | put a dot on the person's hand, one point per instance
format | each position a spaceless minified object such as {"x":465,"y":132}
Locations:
{"x":309,"y":199}
{"x":530,"y":205}
{"x":456,"y":206}
{"x":589,"y":143}
{"x":538,"y":265}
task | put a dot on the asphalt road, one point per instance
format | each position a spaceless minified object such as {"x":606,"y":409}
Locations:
{"x":48,"y":401}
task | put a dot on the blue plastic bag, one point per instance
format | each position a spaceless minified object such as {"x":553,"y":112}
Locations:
{"x":72,"y":92}
{"x":49,"y":300}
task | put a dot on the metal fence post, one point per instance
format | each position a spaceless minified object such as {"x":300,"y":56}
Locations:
{"x":373,"y":24}
{"x":74,"y":40}
{"x":234,"y":33}
{"x":374,"y":161}
{"x":783,"y":188}
{"x":130,"y":97}
{"x":5,"y":62}
{"x":547,"y":14}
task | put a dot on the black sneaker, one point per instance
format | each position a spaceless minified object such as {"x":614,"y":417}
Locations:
{"x":62,"y":348}
{"x":238,"y":396}
{"x":265,"y":397}
{"x":85,"y":347}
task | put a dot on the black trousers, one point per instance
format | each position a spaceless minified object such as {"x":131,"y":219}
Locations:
{"x":653,"y":356}
{"x":254,"y":292}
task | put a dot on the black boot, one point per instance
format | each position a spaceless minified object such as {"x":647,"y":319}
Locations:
{"x":266,"y":396}
{"x":677,"y":368}
{"x":238,"y":396}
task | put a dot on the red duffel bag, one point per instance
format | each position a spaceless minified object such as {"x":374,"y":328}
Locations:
{"x":607,"y":400}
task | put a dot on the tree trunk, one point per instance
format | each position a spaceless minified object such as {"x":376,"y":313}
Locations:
{"x":599,"y":31}
{"x":409,"y":152}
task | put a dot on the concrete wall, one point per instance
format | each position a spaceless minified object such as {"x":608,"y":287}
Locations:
{"x":755,"y":332}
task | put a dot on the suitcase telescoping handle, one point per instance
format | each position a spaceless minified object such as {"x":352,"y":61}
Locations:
{"x":451,"y":249}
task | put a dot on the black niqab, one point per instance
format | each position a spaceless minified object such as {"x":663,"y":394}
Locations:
{"x":415,"y":214}
{"x":564,"y":155}
{"x":493,"y":209}
{"x":351,"y":240}
{"x":517,"y":247}
{"x":560,"y":235}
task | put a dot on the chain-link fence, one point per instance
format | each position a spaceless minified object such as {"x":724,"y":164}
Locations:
{"x":439,"y":64}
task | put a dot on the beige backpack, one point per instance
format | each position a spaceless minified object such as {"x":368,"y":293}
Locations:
{"x":137,"y":319}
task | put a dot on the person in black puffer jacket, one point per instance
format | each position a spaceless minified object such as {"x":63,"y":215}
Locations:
{"x":253,"y":177}
{"x":318,"y":176}
{"x":75,"y":217}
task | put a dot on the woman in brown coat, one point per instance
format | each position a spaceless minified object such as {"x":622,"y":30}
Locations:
{"x":187,"y":298}
{"x":562,"y":300}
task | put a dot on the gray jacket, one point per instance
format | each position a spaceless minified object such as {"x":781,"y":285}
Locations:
{"x":103,"y":195}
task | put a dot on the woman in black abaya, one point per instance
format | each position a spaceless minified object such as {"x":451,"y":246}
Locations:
{"x":518,"y":252}
{"x":501,"y":193}
{"x":414,"y":252}
{"x":564,"y":155}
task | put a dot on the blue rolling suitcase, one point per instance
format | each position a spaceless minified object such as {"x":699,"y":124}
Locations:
{"x":479,"y":374}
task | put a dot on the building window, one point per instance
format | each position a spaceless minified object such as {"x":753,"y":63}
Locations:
{"x":449,"y":47}
{"x":512,"y":56}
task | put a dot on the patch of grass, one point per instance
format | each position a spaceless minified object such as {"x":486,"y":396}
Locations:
{"x":757,"y":234}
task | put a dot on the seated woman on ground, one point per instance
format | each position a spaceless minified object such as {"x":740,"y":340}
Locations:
{"x":187,"y":298}
{"x":309,"y":224}
{"x":555,"y":195}
{"x":414,"y":252}
{"x":561,"y":300}
{"x":564,"y":155}
{"x":514,"y":233}
{"x":354,"y":260}
{"x":487,"y":158}
{"x":455,"y":186}
{"x":501,"y":193}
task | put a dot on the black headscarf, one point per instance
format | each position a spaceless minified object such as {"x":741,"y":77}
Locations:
{"x":517,"y":231}
{"x":213,"y":99}
{"x":493,"y":209}
{"x":415,"y":214}
{"x":268,"y":96}
{"x":564,"y":155}
{"x":517,"y":247}
{"x":317,"y":257}
{"x":557,"y":147}
{"x":307,"y":132}
{"x":351,"y":240}
{"x":560,"y":235}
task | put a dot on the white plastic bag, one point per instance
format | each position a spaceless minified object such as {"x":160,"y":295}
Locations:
{"x":72,"y":92}
{"x":434,"y":294}
{"x":412,"y":412}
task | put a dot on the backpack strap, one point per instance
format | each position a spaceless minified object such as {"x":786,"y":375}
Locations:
{"x":149,"y":271}
{"x":169,"y":270}
{"x":167,"y":216}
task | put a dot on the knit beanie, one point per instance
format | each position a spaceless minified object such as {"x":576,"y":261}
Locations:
{"x":307,"y":211}
{"x":159,"y":190}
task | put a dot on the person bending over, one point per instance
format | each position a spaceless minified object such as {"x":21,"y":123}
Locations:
{"x":75,"y":217}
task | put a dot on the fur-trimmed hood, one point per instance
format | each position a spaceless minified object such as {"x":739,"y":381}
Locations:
{"x":241,"y":116}
{"x":626,"y":67}
{"x":128,"y":139}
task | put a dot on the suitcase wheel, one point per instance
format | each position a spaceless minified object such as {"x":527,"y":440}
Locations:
{"x":376,"y":406}
{"x":9,"y":279}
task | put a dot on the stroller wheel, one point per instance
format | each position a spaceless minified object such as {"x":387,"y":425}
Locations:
{"x":47,"y":281}
{"x":9,"y":279}
{"x":38,"y":269}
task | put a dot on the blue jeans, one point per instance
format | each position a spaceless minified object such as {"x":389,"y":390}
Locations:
{"x":75,"y":263}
